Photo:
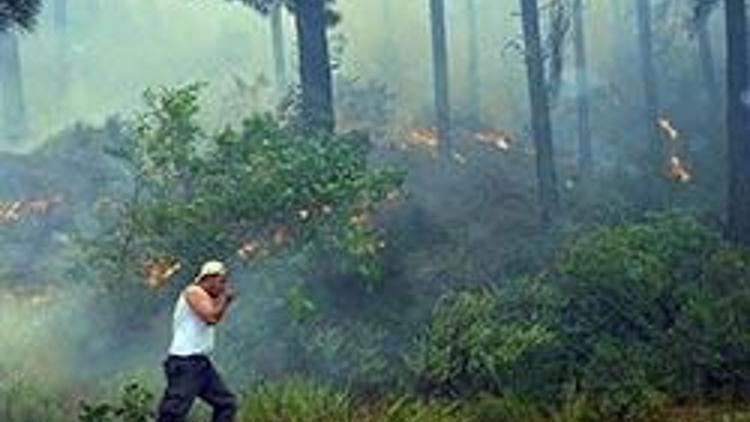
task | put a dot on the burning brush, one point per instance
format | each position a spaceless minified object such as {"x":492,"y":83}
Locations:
{"x":426,"y":139}
{"x":668,"y":129}
{"x":499,"y":139}
{"x":158,"y":271}
{"x":13,"y":211}
{"x":677,"y":171}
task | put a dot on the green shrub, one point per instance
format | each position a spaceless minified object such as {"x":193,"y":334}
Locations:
{"x":653,"y":309}
{"x":135,"y":405}
{"x":202,"y":195}
{"x":473,"y":343}
{"x":712,"y":333}
{"x":349,"y":354}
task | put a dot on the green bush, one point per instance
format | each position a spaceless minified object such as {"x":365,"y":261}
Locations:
{"x":630,"y":317}
{"x":652,"y":310}
{"x":474,"y":342}
{"x":712,"y":333}
{"x":135,"y":405}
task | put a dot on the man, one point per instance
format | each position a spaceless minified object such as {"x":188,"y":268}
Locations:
{"x":189,"y":370}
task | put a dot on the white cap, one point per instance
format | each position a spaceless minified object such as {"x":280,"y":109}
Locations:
{"x":212,"y":268}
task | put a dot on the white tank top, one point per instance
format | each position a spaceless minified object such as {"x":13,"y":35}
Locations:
{"x":190,"y":334}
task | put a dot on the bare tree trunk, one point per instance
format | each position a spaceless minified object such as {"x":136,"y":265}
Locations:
{"x":440,"y":74}
{"x":15,"y":125}
{"x":60,"y":24}
{"x":315,"y":65}
{"x":738,"y":121}
{"x":279,"y":50}
{"x":652,"y":182}
{"x":708,"y":68}
{"x":474,"y":107}
{"x":389,"y":56}
{"x":585,"y":156}
{"x":540,"y":113}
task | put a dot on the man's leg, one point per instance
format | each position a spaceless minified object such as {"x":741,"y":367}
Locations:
{"x":216,"y":393}
{"x":183,"y":385}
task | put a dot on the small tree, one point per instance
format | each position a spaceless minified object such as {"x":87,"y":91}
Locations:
{"x":245,"y":193}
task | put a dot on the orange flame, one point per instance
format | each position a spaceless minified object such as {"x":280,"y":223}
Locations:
{"x":424,"y":138}
{"x":13,"y":211}
{"x":158,"y":271}
{"x":248,"y":250}
{"x":668,"y":128}
{"x":499,"y":139}
{"x":677,"y":170}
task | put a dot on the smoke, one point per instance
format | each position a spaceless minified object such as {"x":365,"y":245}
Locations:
{"x":42,"y":332}
{"x":474,"y":221}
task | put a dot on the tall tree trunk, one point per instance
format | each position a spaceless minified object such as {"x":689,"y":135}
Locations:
{"x":440,"y":74}
{"x":279,"y":49}
{"x":60,"y":24}
{"x":315,"y":65}
{"x":585,"y":156}
{"x":653,"y":181}
{"x":540,"y":113}
{"x":708,"y":68}
{"x":389,"y":56}
{"x":738,"y":121}
{"x":474,"y":108}
{"x":15,"y":125}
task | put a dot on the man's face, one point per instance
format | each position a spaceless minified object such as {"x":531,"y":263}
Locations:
{"x":215,"y":285}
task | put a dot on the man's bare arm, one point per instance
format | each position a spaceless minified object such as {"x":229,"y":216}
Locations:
{"x":210,"y":310}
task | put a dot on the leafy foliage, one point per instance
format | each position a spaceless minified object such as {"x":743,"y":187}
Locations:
{"x":21,"y":13}
{"x":631,"y":315}
{"x":473,"y":343}
{"x":641,"y":308}
{"x":135,"y":406}
{"x":265,"y":187}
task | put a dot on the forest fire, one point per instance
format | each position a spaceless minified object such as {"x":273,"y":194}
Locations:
{"x":158,"y":271}
{"x":423,"y":138}
{"x":499,"y":139}
{"x":14,"y":211}
{"x":668,"y":128}
{"x":677,"y":170}
{"x":249,"y":250}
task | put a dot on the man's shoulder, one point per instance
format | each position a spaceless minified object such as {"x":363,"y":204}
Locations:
{"x":194,"y":290}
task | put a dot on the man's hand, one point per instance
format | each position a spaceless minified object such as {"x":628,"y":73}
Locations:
{"x":210,"y":310}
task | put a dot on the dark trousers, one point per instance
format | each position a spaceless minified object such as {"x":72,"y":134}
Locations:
{"x":190,"y":377}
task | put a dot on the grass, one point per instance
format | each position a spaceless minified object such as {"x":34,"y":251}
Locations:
{"x":300,"y":400}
